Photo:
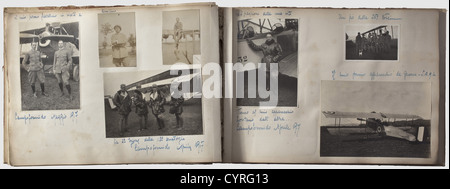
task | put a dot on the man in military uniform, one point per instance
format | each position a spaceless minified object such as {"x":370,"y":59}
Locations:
{"x":119,"y":52}
{"x":61,"y":64}
{"x":272,"y":53}
{"x":141,"y":107}
{"x":35,"y":69}
{"x":156,"y":103}
{"x":122,"y":100}
{"x":176,"y":106}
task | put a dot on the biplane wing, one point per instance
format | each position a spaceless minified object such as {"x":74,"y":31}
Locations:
{"x":401,"y":116}
{"x":36,"y":31}
{"x":374,"y":29}
{"x":28,"y":38}
{"x":374,"y":115}
{"x":336,"y":114}
{"x":70,"y":28}
{"x":159,"y":77}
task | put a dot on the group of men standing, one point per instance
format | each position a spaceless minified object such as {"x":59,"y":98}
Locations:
{"x":62,"y":62}
{"x":374,"y":43}
{"x":124,"y":99}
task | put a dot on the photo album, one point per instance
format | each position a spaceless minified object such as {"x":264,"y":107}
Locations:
{"x":198,"y":83}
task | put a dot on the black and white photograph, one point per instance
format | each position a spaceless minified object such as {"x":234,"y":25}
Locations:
{"x":143,"y":104}
{"x":371,"y":42}
{"x":375,"y":119}
{"x":117,"y":39}
{"x":180,"y":36}
{"x":49,"y":71}
{"x":270,"y":40}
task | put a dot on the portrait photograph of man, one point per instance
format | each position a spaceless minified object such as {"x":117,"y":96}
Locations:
{"x":117,"y":39}
{"x":268,"y":41}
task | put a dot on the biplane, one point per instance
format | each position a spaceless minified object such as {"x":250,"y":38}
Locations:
{"x":47,"y":38}
{"x":285,"y":32}
{"x":412,"y":128}
{"x":163,"y":82}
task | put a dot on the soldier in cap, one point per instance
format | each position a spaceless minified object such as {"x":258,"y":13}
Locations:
{"x":61,"y":64}
{"x":35,"y":69}
{"x":122,"y":100}
{"x":141,"y":107}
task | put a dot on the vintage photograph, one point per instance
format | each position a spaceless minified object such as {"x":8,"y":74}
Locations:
{"x":371,"y":42}
{"x":180,"y":36}
{"x":144,"y":104}
{"x":117,"y":39}
{"x":270,"y":40}
{"x":49,"y":71}
{"x":375,"y":119}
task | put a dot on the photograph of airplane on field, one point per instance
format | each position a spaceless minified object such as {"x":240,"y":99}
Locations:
{"x":143,"y":104}
{"x":371,"y":42}
{"x":375,"y":119}
{"x":117,"y":39}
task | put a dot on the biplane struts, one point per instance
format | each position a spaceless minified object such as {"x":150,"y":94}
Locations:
{"x":163,"y":82}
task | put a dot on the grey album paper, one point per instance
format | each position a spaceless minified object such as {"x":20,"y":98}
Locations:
{"x":66,"y":69}
{"x":195,"y":83}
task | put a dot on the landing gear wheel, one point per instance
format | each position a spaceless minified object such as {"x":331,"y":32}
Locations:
{"x":380,"y":131}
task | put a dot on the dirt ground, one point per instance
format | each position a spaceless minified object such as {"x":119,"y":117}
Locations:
{"x":351,"y":54}
{"x":169,"y":58}
{"x":54,"y":100}
{"x":371,"y":146}
{"x":106,"y":60}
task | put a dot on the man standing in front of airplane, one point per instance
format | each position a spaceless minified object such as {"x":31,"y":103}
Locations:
{"x":272,"y":53}
{"x":61,"y":63}
{"x":35,"y":69}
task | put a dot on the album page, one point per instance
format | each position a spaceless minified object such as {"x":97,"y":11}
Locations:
{"x":352,"y":86}
{"x":110,"y":85}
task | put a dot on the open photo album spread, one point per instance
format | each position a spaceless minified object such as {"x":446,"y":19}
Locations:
{"x":198,"y":83}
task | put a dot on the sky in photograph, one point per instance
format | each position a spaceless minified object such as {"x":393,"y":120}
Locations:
{"x":386,"y":97}
{"x":189,"y":18}
{"x":126,"y":20}
{"x":352,"y":30}
{"x":112,"y":81}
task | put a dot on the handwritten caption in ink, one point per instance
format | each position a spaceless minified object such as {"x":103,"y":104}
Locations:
{"x":260,"y":120}
{"x":58,"y":118}
{"x":369,"y":17}
{"x":405,"y":75}
{"x":45,"y":16}
{"x":162,"y":143}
